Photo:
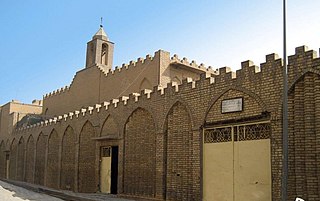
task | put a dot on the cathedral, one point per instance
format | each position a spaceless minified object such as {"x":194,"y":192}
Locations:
{"x":165,"y":128}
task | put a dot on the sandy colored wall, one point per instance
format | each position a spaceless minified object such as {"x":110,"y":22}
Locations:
{"x":13,"y":112}
{"x":93,"y":85}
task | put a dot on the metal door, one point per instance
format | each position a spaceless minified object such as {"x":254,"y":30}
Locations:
{"x":237,"y":162}
{"x":105,"y":170}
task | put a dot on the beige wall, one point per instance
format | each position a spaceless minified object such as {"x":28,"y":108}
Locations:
{"x":236,"y":171}
{"x":13,"y":112}
{"x":93,"y":85}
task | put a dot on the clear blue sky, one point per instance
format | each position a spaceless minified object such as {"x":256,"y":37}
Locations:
{"x":43,"y":43}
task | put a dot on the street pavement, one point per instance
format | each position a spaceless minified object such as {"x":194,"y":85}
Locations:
{"x":22,"y":191}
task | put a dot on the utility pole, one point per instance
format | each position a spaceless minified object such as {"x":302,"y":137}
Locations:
{"x":284,"y":186}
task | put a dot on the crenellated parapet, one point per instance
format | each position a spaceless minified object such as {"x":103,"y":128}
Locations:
{"x":249,"y":73}
{"x":131,"y":65}
{"x":140,"y":62}
{"x":57,"y":92}
{"x":302,"y":61}
{"x":193,"y":65}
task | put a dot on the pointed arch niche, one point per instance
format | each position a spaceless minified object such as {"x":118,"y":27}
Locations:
{"x":20,"y":159}
{"x":179,"y":176}
{"x":2,"y":160}
{"x":110,"y":128}
{"x":250,"y":107}
{"x":304,"y":135}
{"x":87,"y":157}
{"x":13,"y":160}
{"x":40,"y":159}
{"x":53,"y":160}
{"x":140,"y":154}
{"x":68,"y":159}
{"x":30,"y":160}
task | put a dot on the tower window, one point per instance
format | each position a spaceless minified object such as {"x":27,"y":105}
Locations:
{"x":104,"y":54}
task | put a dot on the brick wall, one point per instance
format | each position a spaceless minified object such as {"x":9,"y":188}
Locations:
{"x":30,"y":160}
{"x":110,"y":128}
{"x":179,"y":180}
{"x":68,"y":160}
{"x":304,"y":138}
{"x":52,"y":180}
{"x":139,"y":155}
{"x":2,"y":160}
{"x":167,"y":138}
{"x":20,"y":159}
{"x":13,"y":160}
{"x":40,"y":159}
{"x":87,"y":175}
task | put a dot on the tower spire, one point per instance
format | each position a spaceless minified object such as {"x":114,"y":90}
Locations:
{"x":100,"y":50}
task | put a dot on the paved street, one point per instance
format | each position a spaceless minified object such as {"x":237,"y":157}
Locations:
{"x":10,"y":192}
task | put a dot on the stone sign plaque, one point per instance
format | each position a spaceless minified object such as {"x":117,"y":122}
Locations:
{"x":232,"y":105}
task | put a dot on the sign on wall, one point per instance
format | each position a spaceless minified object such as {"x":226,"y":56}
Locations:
{"x":232,"y":105}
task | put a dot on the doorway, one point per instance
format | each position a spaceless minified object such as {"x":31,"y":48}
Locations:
{"x":7,"y":165}
{"x":237,"y":162}
{"x":109,"y":169}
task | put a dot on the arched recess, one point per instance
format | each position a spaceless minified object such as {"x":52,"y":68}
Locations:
{"x":2,"y":160}
{"x":304,"y":135}
{"x":53,"y":160}
{"x":20,"y":159}
{"x":30,"y":160}
{"x":104,"y":54}
{"x":110,"y":128}
{"x":236,"y":147}
{"x":13,"y":160}
{"x":179,"y":151}
{"x":251,"y":106}
{"x":68,"y":159}
{"x":140,"y":154}
{"x":145,"y":84}
{"x":87,"y":177}
{"x":40,"y":159}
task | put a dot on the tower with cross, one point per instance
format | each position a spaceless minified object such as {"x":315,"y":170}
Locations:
{"x":100,"y":50}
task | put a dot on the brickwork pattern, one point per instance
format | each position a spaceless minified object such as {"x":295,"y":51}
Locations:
{"x":303,"y":164}
{"x":30,"y":160}
{"x":179,"y":155}
{"x":20,"y":159}
{"x":2,"y":160}
{"x":110,"y":128}
{"x":262,"y":92}
{"x":250,"y":107}
{"x":40,"y":159}
{"x":139,"y":156}
{"x":13,"y":160}
{"x":68,"y":160}
{"x":87,"y":157}
{"x":52,"y":179}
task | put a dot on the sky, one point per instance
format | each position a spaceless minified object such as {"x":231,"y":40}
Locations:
{"x":43,"y":43}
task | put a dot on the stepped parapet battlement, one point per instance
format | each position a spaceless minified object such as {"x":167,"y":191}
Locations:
{"x":248,"y":71}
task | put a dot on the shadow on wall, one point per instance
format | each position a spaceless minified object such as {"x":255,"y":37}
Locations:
{"x":15,"y":193}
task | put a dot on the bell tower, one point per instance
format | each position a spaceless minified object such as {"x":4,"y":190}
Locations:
{"x":100,"y":51}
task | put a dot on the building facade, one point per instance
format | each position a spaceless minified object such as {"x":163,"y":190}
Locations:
{"x":167,"y":129}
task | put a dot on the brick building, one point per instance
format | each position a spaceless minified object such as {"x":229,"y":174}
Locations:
{"x":164,"y":128}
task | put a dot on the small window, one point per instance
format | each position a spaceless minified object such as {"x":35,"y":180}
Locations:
{"x":106,"y":152}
